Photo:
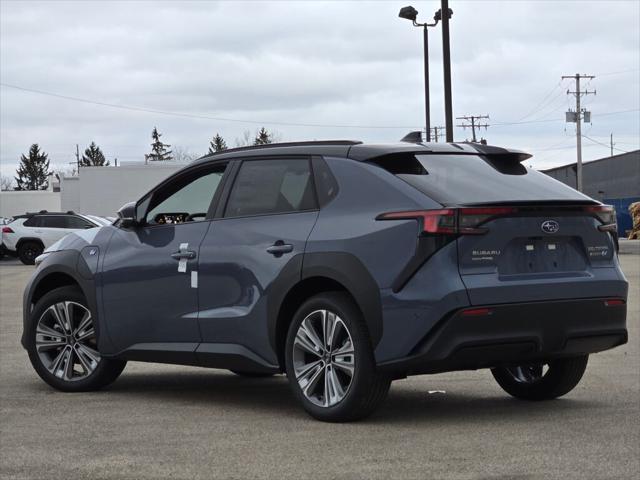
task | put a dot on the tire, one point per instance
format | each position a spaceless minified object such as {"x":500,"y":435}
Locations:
{"x":242,"y":373}
{"x":50,"y":343}
{"x":346,"y":398}
{"x":28,"y":252}
{"x":530,"y":382}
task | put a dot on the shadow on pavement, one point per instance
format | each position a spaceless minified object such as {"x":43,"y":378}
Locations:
{"x":272,"y":394}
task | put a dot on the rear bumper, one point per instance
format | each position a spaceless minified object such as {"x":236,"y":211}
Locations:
{"x":507,"y":334}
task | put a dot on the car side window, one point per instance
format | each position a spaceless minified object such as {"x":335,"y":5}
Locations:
{"x":186,"y":199}
{"x":326,"y":184}
{"x":52,"y":221}
{"x":31,"y":222}
{"x":271,"y":186}
{"x":78,"y":223}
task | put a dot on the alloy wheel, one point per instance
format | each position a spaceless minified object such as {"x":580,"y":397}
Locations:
{"x":66,"y":341}
{"x":528,"y":373}
{"x":323,"y":358}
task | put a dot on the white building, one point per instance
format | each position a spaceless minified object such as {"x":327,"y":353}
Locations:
{"x":103,"y":190}
{"x":96,"y":191}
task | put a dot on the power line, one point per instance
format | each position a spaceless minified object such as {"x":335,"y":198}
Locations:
{"x":199,"y":116}
{"x":619,"y":72}
{"x":604,"y":144}
{"x":293,"y":124}
{"x":543,"y":103}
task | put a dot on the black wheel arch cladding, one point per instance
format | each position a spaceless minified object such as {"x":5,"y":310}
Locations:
{"x":66,"y":263}
{"x":336,"y":267}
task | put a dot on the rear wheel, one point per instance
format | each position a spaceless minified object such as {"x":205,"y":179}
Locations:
{"x":541,"y":381}
{"x":28,"y":252}
{"x":329,"y":360}
{"x":62,"y":343}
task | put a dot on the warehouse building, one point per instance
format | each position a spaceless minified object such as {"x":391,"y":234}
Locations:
{"x":612,"y":180}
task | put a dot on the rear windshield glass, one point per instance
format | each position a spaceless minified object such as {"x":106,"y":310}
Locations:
{"x":469,"y":179}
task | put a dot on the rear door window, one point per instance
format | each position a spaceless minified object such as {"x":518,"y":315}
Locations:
{"x":475,"y":179}
{"x":265,"y":187}
{"x":53,"y":221}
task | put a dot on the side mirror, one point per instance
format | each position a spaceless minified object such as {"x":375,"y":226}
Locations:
{"x":127,"y":215}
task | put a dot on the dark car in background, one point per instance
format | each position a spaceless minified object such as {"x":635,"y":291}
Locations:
{"x":344,"y":265}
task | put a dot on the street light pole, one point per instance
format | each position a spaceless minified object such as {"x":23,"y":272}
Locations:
{"x":427,"y":102}
{"x":410,"y":13}
{"x":445,"y":14}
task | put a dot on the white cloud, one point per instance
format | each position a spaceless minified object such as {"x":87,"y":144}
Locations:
{"x":342,"y":63}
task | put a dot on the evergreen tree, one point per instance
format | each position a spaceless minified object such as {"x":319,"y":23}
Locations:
{"x":217,"y":144}
{"x":159,"y":152}
{"x":263,"y":137}
{"x":33,"y":170}
{"x":93,"y":157}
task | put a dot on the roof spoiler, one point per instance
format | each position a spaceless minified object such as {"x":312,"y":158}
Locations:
{"x":507,"y":154}
{"x":412,"y":137}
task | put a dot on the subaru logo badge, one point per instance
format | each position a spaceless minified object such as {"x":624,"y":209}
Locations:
{"x":550,"y":226}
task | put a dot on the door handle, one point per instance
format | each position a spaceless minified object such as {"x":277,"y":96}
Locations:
{"x":188,"y":254}
{"x":279,"y":248}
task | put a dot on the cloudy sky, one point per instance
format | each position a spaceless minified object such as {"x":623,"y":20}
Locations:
{"x":309,"y":70}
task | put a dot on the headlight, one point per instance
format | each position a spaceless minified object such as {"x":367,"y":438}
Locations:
{"x":40,"y":258}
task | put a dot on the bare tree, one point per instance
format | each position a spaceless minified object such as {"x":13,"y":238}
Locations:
{"x":6,"y":183}
{"x":245,"y":140}
{"x":183,"y":154}
{"x":261,"y":136}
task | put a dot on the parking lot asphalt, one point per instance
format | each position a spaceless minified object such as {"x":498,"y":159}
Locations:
{"x":162,"y":421}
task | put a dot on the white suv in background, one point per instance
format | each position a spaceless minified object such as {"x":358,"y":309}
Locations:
{"x":28,"y":235}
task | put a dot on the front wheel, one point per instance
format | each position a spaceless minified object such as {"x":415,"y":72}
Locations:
{"x":329,"y":360}
{"x":542,"y":381}
{"x":62,"y":343}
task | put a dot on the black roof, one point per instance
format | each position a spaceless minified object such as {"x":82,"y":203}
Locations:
{"x":358,"y":150}
{"x":44,"y":212}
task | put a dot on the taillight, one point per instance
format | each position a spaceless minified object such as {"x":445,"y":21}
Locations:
{"x":451,"y":221}
{"x":470,"y":219}
{"x":613,"y":302}
{"x":606,"y":214}
{"x":6,"y":230}
{"x":431,"y":221}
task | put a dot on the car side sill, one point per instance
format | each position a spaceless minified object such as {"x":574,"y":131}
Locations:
{"x":229,"y":356}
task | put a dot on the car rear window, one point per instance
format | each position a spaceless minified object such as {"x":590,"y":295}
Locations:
{"x":476,"y":179}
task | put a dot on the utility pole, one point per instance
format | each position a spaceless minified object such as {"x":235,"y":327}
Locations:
{"x":612,"y":144}
{"x":475,"y":122}
{"x":577,"y":118}
{"x":446,"y":14}
{"x":436,"y":133}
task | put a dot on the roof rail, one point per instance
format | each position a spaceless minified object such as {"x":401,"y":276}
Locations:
{"x":284,"y":144}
